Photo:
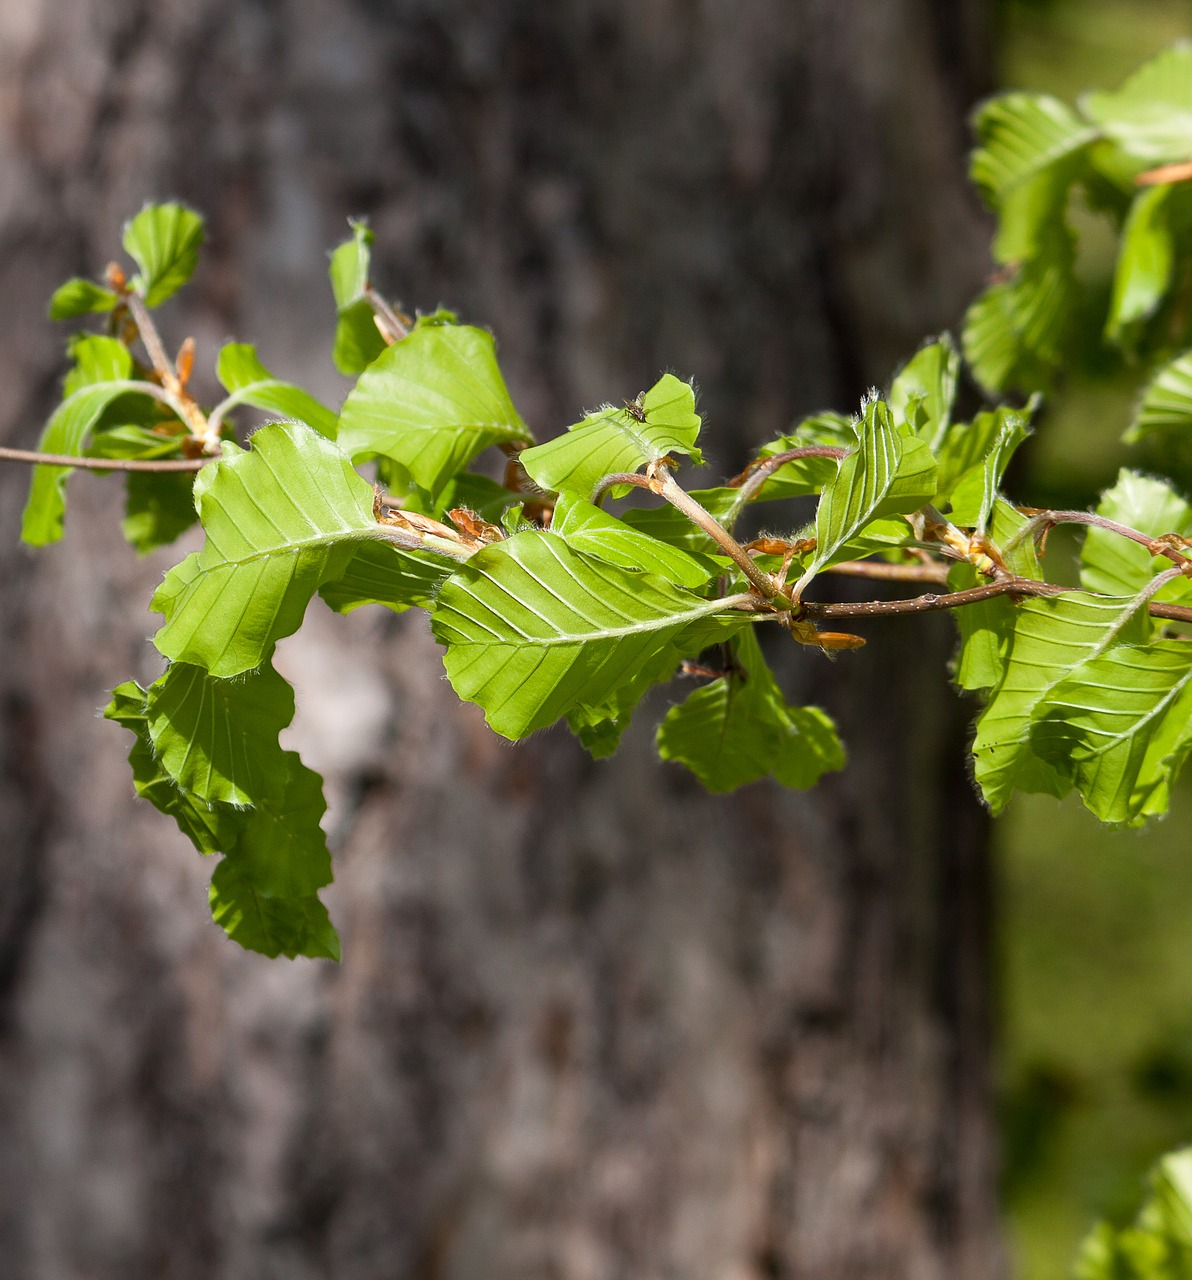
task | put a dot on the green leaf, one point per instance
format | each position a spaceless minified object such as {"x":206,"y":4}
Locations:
{"x":281,"y":520}
{"x":1142,"y":276}
{"x":1005,"y":524}
{"x":210,"y":828}
{"x":806,"y":475}
{"x":864,"y":486}
{"x":1114,"y":565}
{"x":164,"y":241}
{"x":588,"y":529}
{"x":386,"y":575}
{"x":672,"y":527}
{"x":1021,"y":135}
{"x":1028,"y":214}
{"x":247,"y":381}
{"x":282,"y":851}
{"x":358,"y":341}
{"x":922,"y":393}
{"x":431,"y":403}
{"x":1167,"y":402}
{"x":1015,"y":333}
{"x":272,"y":926}
{"x":217,"y":739}
{"x":617,"y":440}
{"x":1052,"y":636}
{"x":985,"y":631}
{"x":1120,"y":726}
{"x":80,"y":298}
{"x":68,"y":429}
{"x":975,"y":493}
{"x":533,"y":628}
{"x":1150,"y":116}
{"x":739,"y":728}
{"x":158,"y":508}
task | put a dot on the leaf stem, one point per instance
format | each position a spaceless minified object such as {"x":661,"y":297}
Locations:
{"x":102,"y":464}
{"x":761,"y":469}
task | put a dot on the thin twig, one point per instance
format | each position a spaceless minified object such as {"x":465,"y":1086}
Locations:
{"x":926,"y":572}
{"x":931,"y":602}
{"x":761,"y":469}
{"x":1040,"y":520}
{"x":102,"y":464}
{"x":183,"y":404}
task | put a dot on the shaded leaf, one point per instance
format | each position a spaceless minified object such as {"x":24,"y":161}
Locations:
{"x":1167,"y":402}
{"x":358,"y":341}
{"x":79,"y":298}
{"x":1021,"y":135}
{"x":272,"y":926}
{"x":672,"y":527}
{"x":1145,"y":260}
{"x":386,"y":575}
{"x":158,"y":508}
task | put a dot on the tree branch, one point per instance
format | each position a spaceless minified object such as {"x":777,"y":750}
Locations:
{"x":761,"y":469}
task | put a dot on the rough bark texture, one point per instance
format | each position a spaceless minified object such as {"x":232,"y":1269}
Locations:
{"x":591,"y":1023}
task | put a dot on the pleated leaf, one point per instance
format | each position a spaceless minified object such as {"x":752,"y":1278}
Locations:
{"x":164,"y":241}
{"x":739,"y":728}
{"x":1119,"y":726}
{"x":431,"y":403}
{"x":617,"y":440}
{"x":974,"y":494}
{"x":922,"y":394}
{"x":281,"y":520}
{"x":533,"y":628}
{"x":386,"y":575}
{"x":1052,"y":636}
{"x":1167,"y":402}
{"x":1022,"y":134}
{"x":247,"y":381}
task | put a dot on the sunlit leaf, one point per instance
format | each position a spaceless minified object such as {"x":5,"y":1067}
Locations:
{"x":1145,"y":261}
{"x":1022,"y":134}
{"x":671,"y":526}
{"x":1167,"y":402}
{"x":281,"y":520}
{"x":1150,"y":116}
{"x":431,"y":403}
{"x":976,"y":491}
{"x":247,"y":381}
{"x":616,"y":440}
{"x":358,"y":341}
{"x":922,"y":394}
{"x":985,"y":631}
{"x":533,"y":627}
{"x":273,"y":926}
{"x":164,"y":241}
{"x":806,"y":475}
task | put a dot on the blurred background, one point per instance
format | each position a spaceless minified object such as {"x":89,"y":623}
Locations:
{"x":590,"y":1023}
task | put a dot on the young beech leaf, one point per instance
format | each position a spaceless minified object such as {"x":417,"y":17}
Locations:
{"x":1114,"y":565}
{"x":738,"y":728}
{"x":164,"y":241}
{"x":273,"y":926}
{"x":1021,"y":135}
{"x":806,"y":475}
{"x":589,"y":529}
{"x":985,"y":631}
{"x":974,"y":494}
{"x":431,"y":403}
{"x":663,"y":422}
{"x":1120,"y":726}
{"x":869,"y":483}
{"x":103,"y":374}
{"x":80,"y":298}
{"x":1167,"y":402}
{"x":218,"y":738}
{"x":534,"y":627}
{"x":1150,"y":116}
{"x":1015,"y":333}
{"x":358,"y":341}
{"x":1145,"y":261}
{"x":210,"y":828}
{"x":386,"y":575}
{"x":281,"y":520}
{"x":1052,"y":636}
{"x":158,"y":508}
{"x":922,"y":394}
{"x":247,"y":381}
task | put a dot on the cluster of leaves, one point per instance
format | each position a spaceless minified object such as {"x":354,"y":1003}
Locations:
{"x":551,"y":606}
{"x":1056,"y":176}
{"x":1159,"y":1244}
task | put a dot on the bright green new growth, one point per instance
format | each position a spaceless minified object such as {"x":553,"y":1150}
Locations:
{"x":554,"y":602}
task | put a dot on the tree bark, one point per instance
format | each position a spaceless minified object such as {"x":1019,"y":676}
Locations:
{"x":591,"y":1023}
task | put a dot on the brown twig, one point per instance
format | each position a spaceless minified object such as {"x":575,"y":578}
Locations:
{"x":761,"y":469}
{"x":1043,"y":520}
{"x":102,"y":464}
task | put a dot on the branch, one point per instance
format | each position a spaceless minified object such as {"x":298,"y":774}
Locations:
{"x":761,"y":469}
{"x":102,"y":464}
{"x":1049,"y":519}
{"x":930,"y":603}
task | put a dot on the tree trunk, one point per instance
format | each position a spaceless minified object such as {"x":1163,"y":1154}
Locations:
{"x":591,"y":1023}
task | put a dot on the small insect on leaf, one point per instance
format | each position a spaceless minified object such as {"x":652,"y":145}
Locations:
{"x":635,"y":409}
